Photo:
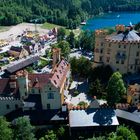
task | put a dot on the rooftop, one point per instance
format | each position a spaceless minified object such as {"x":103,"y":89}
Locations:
{"x":125,"y":36}
{"x":7,"y":90}
{"x":134,"y":117}
{"x":21,"y":65}
{"x":38,"y":80}
{"x":40,"y":117}
{"x":59,"y":72}
{"x":92,"y":117}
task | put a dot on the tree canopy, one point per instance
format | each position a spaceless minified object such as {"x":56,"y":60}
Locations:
{"x":80,"y":66}
{"x":5,"y":130}
{"x":23,"y":130}
{"x":65,"y":48}
{"x":115,"y":88}
{"x":68,"y":13}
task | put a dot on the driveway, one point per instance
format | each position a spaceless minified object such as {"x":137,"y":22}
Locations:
{"x":82,"y":88}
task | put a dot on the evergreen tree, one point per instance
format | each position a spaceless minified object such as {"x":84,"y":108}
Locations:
{"x":71,"y":39}
{"x":61,"y":34}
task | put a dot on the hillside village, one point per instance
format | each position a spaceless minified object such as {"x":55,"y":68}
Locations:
{"x":45,"y":93}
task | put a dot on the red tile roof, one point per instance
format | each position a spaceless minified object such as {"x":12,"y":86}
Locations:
{"x":60,"y":72}
{"x":3,"y":84}
{"x":5,"y":89}
{"x":38,"y":80}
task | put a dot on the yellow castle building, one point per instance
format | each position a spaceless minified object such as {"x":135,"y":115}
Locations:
{"x":120,"y":50}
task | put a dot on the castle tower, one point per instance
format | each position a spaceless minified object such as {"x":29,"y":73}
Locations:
{"x":120,"y":28}
{"x":22,"y":78}
{"x":56,"y":55}
{"x":99,"y":47}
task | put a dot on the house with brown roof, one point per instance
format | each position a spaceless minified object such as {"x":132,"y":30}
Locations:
{"x":9,"y":95}
{"x":18,"y":52}
{"x":36,"y":91}
{"x":49,"y":86}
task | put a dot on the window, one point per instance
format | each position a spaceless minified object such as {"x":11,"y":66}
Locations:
{"x":117,"y":62}
{"x":39,"y":90}
{"x":101,"y":51}
{"x":7,"y":106}
{"x":108,"y":51}
{"x":50,"y":88}
{"x":131,"y":67}
{"x":60,"y":71}
{"x":25,"y":93}
{"x":33,"y":91}
{"x":57,"y":76}
{"x":122,"y":62}
{"x":48,"y":106}
{"x":137,"y":54}
{"x":119,"y":46}
{"x":107,"y":59}
{"x":124,"y":46}
{"x":102,"y":43}
{"x":16,"y":106}
{"x":55,"y":82}
{"x":117,"y":69}
{"x":101,"y":58}
{"x":50,"y":95}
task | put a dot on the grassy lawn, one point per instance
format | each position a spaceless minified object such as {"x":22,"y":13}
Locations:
{"x":49,"y":26}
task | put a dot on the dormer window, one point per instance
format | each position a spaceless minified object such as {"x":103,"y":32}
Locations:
{"x":57,"y":76}
{"x":60,"y":71}
{"x":55,"y":82}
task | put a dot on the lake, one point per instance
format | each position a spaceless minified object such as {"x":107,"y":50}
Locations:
{"x":111,"y":19}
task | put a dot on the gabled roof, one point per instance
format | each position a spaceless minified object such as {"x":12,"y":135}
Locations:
{"x":5,"y":89}
{"x":38,"y":80}
{"x":14,"y":53}
{"x":60,"y":72}
{"x":22,"y":64}
{"x":134,"y":117}
{"x":129,"y":36}
{"x":16,"y":49}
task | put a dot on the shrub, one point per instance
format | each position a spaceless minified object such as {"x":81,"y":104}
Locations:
{"x":82,"y":103}
{"x":75,"y":93}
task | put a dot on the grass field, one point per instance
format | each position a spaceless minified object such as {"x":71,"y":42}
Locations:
{"x":49,"y":26}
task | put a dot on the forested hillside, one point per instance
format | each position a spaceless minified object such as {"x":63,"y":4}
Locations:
{"x":68,"y":13}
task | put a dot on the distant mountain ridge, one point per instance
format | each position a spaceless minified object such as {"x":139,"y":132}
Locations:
{"x":62,"y":12}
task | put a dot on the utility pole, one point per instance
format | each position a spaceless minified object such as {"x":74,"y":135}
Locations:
{"x":35,"y":25}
